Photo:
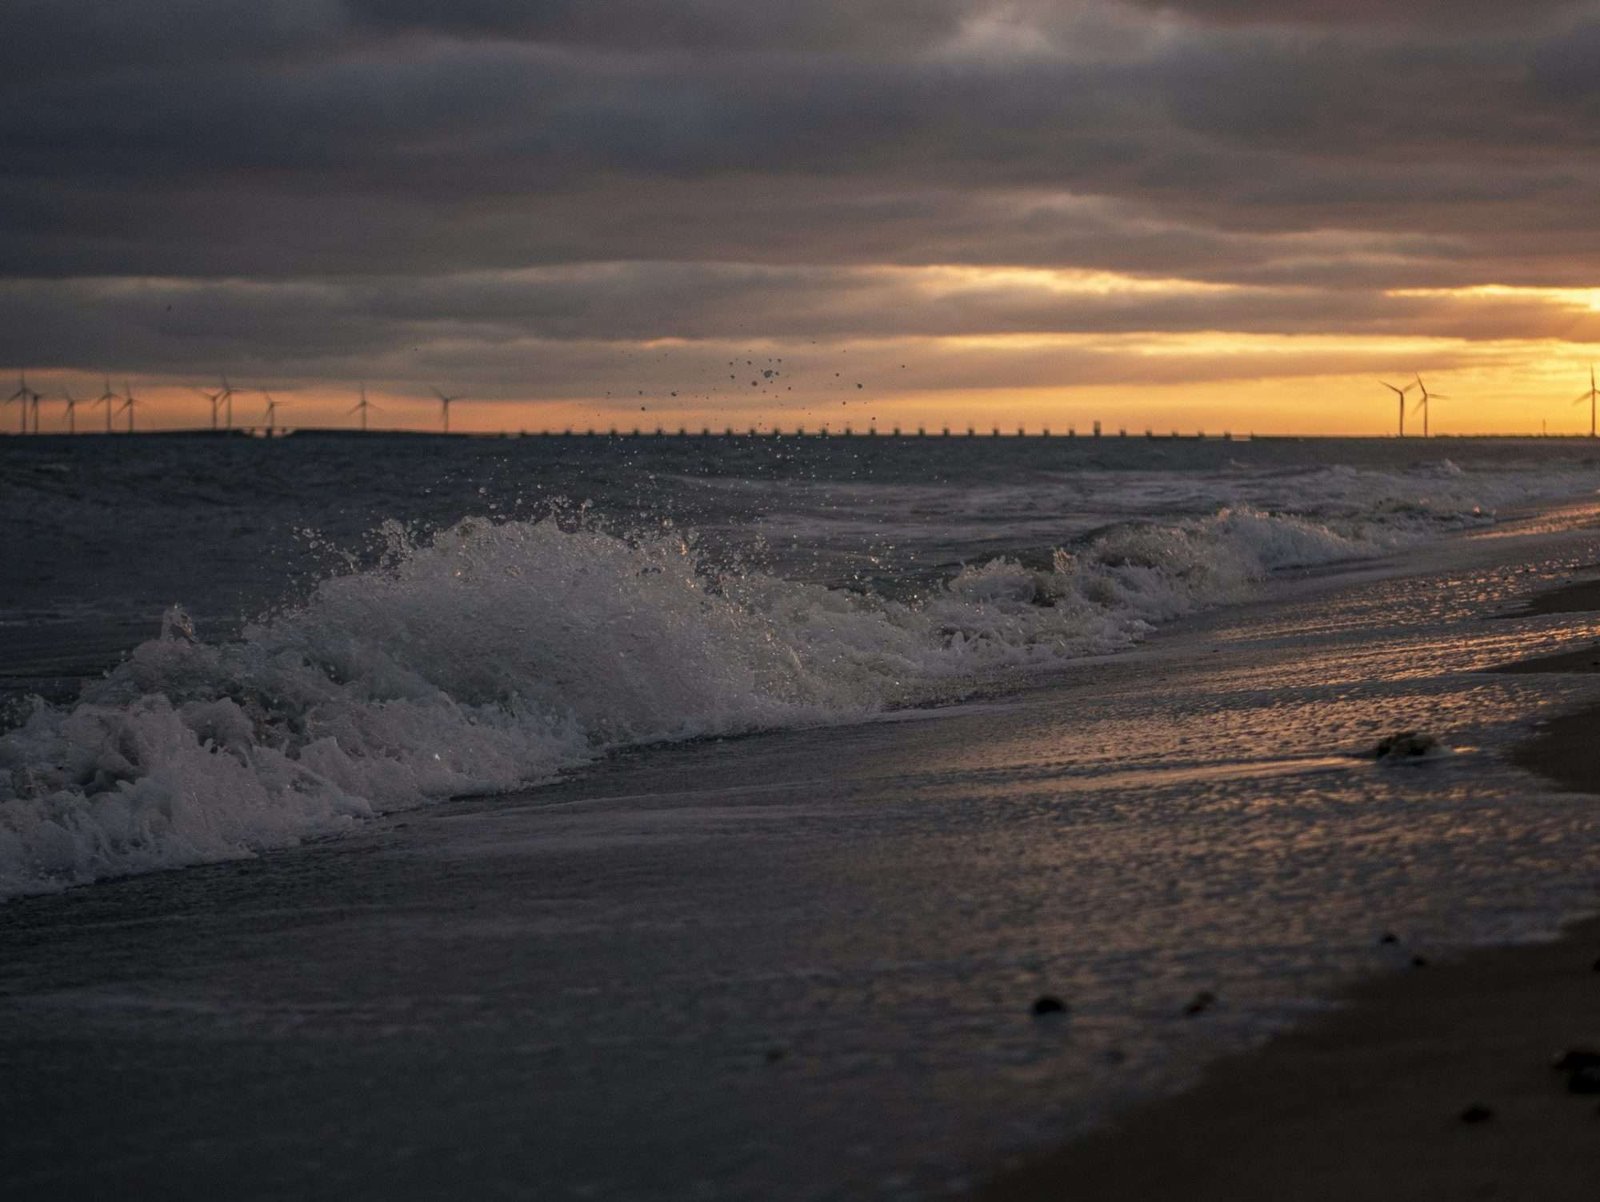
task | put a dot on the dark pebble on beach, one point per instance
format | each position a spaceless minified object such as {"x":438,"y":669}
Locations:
{"x":1419,"y":962}
{"x":775,"y":1054}
{"x":1572,"y":1059}
{"x":1048,"y":1004}
{"x":1584,"y":1080}
{"x":1405,"y":742}
{"x":1477,"y":1113}
{"x":1388,"y":937}
{"x":1200,"y":1003}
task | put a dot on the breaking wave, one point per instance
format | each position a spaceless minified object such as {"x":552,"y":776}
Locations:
{"x":497,"y":654}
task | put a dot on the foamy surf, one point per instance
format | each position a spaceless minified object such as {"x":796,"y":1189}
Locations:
{"x":497,"y":654}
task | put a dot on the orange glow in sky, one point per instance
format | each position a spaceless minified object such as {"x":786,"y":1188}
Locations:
{"x":1027,"y":376}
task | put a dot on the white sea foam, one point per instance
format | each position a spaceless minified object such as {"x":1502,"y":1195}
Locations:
{"x":500,"y":653}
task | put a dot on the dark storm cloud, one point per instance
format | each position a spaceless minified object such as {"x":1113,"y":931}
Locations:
{"x":1563,"y":67}
{"x":78,"y":37}
{"x":657,"y":24}
{"x":1442,"y":14}
{"x":479,"y":323}
{"x":1314,"y":154}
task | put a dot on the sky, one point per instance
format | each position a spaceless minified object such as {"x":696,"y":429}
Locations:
{"x":1207,"y":214}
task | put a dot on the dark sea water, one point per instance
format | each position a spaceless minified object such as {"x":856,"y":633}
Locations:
{"x":475,"y":888}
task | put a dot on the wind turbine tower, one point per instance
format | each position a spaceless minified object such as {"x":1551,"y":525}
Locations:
{"x":105,"y":398}
{"x":1400,"y":395}
{"x":1590,"y":396}
{"x":72,"y":411}
{"x":127,"y":391}
{"x":219,"y":398}
{"x":272,"y":412}
{"x":362,"y":406}
{"x":444,"y":407}
{"x":1423,"y":403}
{"x":24,"y":395}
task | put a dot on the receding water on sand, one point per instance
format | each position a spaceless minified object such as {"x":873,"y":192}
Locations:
{"x":801,"y":964}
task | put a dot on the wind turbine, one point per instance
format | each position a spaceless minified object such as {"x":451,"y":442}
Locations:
{"x":23,"y":394}
{"x":363,"y":405}
{"x":223,"y":395}
{"x":1423,"y":403}
{"x":272,"y":411}
{"x":108,"y":396}
{"x":1590,"y":396}
{"x":444,"y":407}
{"x":105,"y":398}
{"x":128,"y":404}
{"x":1400,"y":395}
{"x":72,"y":411}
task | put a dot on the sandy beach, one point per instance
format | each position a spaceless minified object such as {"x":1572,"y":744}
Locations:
{"x":1429,"y":1083}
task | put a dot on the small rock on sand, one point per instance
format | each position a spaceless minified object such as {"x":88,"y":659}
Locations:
{"x":1405,"y":743}
{"x":1584,"y":1080}
{"x":1572,"y":1059}
{"x":1200,"y":1003}
{"x":1048,"y":1004}
{"x":1476,"y":1113}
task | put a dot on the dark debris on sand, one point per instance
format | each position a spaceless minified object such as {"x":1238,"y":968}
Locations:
{"x":1405,"y":743}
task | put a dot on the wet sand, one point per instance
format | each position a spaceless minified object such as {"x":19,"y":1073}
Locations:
{"x":1368,"y":1102}
{"x":1579,"y":596}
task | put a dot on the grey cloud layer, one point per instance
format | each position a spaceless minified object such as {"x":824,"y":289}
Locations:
{"x":479,"y":326}
{"x":1331,"y":147}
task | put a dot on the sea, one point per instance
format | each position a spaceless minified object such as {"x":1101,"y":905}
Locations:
{"x":707,"y":817}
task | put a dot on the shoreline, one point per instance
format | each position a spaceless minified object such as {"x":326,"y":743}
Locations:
{"x":1368,"y":1100}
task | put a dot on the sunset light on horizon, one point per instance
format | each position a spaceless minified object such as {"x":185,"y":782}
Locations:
{"x":1187,"y":216}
